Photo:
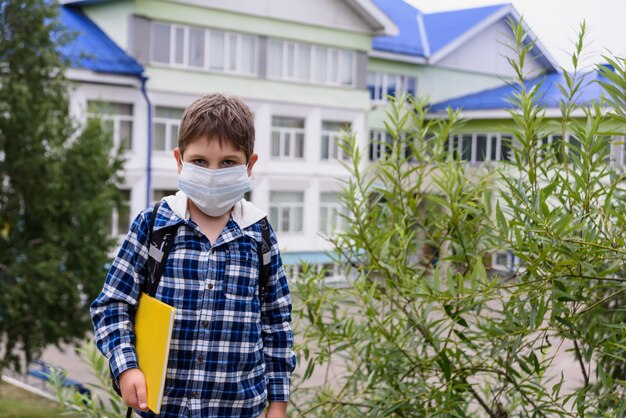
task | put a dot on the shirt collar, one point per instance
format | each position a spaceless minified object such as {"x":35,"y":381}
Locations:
{"x":244,"y":213}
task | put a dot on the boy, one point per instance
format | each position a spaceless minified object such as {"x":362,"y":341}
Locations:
{"x":230,"y":353}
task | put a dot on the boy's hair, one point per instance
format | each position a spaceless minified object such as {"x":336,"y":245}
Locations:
{"x":217,"y":116}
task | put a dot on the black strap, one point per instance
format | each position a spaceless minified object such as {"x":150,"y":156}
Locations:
{"x":129,"y":412}
{"x":264,"y":249}
{"x":160,"y":242}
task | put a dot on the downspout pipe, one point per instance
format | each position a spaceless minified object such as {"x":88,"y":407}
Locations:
{"x":144,"y":79}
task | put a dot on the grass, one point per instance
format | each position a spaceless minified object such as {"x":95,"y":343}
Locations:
{"x":18,"y":403}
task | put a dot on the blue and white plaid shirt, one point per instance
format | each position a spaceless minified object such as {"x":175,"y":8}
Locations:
{"x":228,"y":354}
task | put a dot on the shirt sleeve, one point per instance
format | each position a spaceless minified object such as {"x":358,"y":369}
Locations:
{"x":276,"y":326}
{"x":112,"y":312}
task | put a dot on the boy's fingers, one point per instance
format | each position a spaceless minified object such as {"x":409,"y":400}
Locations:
{"x":142,"y":398}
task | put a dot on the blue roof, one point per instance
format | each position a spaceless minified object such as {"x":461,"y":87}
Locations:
{"x":549,"y":94}
{"x":421,"y":34}
{"x":444,"y":27}
{"x":91,"y":49}
{"x":409,"y":40}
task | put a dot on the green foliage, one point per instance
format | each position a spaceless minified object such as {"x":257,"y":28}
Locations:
{"x":103,"y":402}
{"x":427,"y":327}
{"x":57,"y":189}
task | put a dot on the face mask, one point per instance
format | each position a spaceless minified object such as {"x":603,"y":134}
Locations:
{"x":214,"y":192}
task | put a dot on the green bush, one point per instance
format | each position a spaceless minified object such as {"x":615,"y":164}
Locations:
{"x":427,"y":328}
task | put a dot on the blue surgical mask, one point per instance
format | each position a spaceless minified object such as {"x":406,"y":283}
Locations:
{"x":214,"y":192}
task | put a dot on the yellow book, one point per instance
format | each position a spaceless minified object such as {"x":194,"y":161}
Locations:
{"x":154,"y":322}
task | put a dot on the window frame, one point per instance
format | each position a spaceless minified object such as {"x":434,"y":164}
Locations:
{"x":206,"y":59}
{"x":169,"y":123}
{"x":292,"y":207}
{"x":380,"y":89}
{"x":293,"y":135}
{"x":116,"y":119}
{"x":330,"y":80}
{"x":335,"y":222}
{"x":456,"y":144}
{"x":334,"y":138}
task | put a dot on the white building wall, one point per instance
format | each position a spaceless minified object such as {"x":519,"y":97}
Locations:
{"x":335,"y":14}
{"x":486,"y":53}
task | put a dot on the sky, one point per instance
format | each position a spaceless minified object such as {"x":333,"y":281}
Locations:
{"x":556,"y":23}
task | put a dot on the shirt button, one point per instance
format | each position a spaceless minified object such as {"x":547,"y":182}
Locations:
{"x":205,"y":324}
{"x":200,"y":359}
{"x":194,"y":395}
{"x":209,"y":286}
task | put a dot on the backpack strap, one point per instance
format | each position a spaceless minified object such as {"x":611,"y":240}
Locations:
{"x":161,"y":242}
{"x":264,"y":249}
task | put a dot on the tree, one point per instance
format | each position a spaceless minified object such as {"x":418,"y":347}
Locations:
{"x":57,"y":190}
{"x":426,"y":327}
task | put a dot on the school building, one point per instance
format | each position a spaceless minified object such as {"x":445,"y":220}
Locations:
{"x":308,"y":69}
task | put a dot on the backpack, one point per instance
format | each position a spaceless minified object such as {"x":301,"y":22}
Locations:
{"x":160,"y":244}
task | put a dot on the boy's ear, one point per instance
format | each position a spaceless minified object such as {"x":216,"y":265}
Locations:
{"x":179,"y":159}
{"x":253,"y":159}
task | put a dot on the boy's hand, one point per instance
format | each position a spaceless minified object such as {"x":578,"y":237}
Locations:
{"x":277,"y":410}
{"x":133,"y":387}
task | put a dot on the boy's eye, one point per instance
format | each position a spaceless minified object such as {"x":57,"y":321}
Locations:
{"x":228,"y":163}
{"x":200,"y":162}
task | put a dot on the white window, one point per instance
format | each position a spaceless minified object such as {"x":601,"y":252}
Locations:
{"x":179,"y":42}
{"x":198,"y":48}
{"x":275,"y":59}
{"x":117,"y":118}
{"x":287,"y":137}
{"x":160,"y":47}
{"x":165,"y":128}
{"x":310,"y":63}
{"x":332,"y":137}
{"x":620,"y":155}
{"x":380,"y":144}
{"x":507,"y":261}
{"x":120,"y":218}
{"x":330,"y":271}
{"x":477,"y":148}
{"x":197,"y":39}
{"x":554,"y":146}
{"x":217,"y":54}
{"x":382,"y":85}
{"x":331,"y":220}
{"x":286,"y":211}
{"x":292,"y":271}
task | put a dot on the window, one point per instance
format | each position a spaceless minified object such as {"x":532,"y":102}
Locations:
{"x":332,"y":137}
{"x":506,"y":261}
{"x":480,"y":147}
{"x":117,"y":118}
{"x":166,"y":123}
{"x":198,"y":48}
{"x":620,"y":142}
{"x":120,"y":218}
{"x":330,"y":213}
{"x":380,"y":144}
{"x":560,"y":149}
{"x":286,"y":211}
{"x":330,"y":271}
{"x":382,"y":85}
{"x":310,"y":63}
{"x":197,"y":39}
{"x":287,"y":138}
{"x":160,"y":51}
{"x":292,"y":271}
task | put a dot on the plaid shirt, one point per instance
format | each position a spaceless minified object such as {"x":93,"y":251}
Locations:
{"x":228,"y":354}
